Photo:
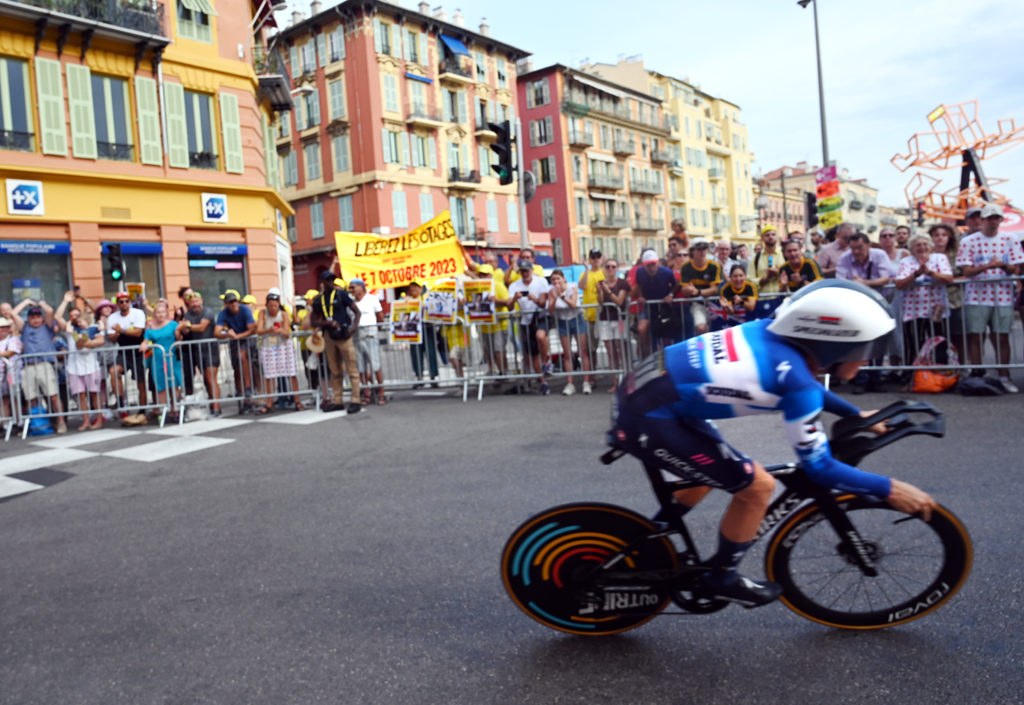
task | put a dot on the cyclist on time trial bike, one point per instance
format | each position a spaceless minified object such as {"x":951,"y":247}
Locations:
{"x":663,"y":409}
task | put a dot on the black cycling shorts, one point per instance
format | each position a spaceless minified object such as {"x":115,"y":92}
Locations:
{"x":692,"y":449}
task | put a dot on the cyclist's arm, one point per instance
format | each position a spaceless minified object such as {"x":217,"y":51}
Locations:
{"x":802,"y":411}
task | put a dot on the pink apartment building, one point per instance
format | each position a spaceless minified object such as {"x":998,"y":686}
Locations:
{"x":390,"y":127}
{"x":599,"y":151}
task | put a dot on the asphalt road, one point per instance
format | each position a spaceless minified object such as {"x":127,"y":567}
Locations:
{"x":356,"y":561}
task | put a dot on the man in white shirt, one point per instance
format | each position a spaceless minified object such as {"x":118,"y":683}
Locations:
{"x":126,"y":326}
{"x":367,"y":341}
{"x":990,"y":254}
{"x":530,"y":293}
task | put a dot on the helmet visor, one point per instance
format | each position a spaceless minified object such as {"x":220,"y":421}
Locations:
{"x":828,"y":354}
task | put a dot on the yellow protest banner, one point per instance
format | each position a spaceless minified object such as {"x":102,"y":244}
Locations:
{"x":429,"y":252}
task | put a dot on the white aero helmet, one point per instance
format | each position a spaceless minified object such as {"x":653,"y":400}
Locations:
{"x":835,"y":320}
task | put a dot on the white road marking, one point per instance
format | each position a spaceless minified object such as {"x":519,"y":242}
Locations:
{"x":303,"y":418}
{"x":43,"y":459}
{"x":10,"y":486}
{"x":84,"y":438}
{"x":198,"y":427}
{"x":167,"y":448}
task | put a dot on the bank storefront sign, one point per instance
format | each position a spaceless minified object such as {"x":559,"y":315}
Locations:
{"x":25,"y":197}
{"x":215,"y":208}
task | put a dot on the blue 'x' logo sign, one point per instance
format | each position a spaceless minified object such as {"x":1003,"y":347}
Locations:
{"x":25,"y":198}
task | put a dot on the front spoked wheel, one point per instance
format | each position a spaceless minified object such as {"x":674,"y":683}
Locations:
{"x":559,"y":567}
{"x":920,"y":564}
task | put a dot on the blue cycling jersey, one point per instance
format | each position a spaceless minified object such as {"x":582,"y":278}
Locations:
{"x":748,"y":369}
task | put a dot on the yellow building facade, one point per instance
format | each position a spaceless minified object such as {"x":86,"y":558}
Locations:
{"x":710,"y":183}
{"x":145,"y":125}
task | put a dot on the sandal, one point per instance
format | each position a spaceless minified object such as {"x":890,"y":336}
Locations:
{"x":299,"y":406}
{"x":263,"y":411}
{"x":382,"y":400}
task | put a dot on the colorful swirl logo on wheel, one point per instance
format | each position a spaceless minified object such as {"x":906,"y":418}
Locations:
{"x":557,"y":557}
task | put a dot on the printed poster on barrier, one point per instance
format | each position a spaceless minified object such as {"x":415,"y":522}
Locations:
{"x":480,"y":301}
{"x":137,"y":290}
{"x":405,"y":321}
{"x":426,"y":254}
{"x":441,"y":302}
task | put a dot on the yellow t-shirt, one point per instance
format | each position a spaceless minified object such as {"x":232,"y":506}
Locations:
{"x":590,"y":292}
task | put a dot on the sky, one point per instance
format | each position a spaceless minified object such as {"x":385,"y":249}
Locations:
{"x":886,"y":64}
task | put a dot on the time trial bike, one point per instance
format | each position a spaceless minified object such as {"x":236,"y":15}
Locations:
{"x":841,"y":559}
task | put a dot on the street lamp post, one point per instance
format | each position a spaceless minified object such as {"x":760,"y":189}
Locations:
{"x":821,"y":88}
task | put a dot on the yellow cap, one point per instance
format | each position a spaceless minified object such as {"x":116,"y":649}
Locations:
{"x":311,"y":294}
{"x":485,"y":269}
{"x":248,"y":299}
{"x":231,"y":291}
{"x":339,"y":282}
{"x":767,"y":229}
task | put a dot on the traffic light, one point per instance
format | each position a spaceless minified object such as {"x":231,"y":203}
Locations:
{"x":503,"y":148}
{"x":810,"y":210}
{"x":115,"y":262}
{"x":920,"y":214}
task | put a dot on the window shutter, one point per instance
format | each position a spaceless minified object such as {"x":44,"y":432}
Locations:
{"x":52,"y":120}
{"x":423,"y":49}
{"x":492,"y":216}
{"x":321,"y":48}
{"x":269,"y":152}
{"x":432,"y":152}
{"x":150,"y":149}
{"x":529,"y":95}
{"x":512,"y":210}
{"x":340,"y":32}
{"x":549,"y":131}
{"x":533,"y":133}
{"x":387,"y":145}
{"x":177,"y":134}
{"x":231,"y":130}
{"x":406,"y":151}
{"x":552,"y":175}
{"x":293,"y":59}
{"x":452,"y":211}
{"x":407,"y":44}
{"x":313,"y":118}
{"x":83,"y":128}
{"x":378,"y":32}
{"x":426,"y":207}
{"x":463,"y":110}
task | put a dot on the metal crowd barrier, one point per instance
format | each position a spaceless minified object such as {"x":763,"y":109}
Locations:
{"x":245,"y":372}
{"x":91,"y":383}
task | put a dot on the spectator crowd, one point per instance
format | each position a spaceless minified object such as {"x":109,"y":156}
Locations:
{"x":952,"y":295}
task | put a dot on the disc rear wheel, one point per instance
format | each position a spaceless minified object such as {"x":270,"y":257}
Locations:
{"x":552,"y":568}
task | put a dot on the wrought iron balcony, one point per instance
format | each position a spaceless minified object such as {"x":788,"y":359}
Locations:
{"x":21,"y":141}
{"x":646,"y":186}
{"x":605,"y":181}
{"x":421,"y":115}
{"x":624,"y":146}
{"x":661,"y":156}
{"x":647,"y":224}
{"x":453,"y":70}
{"x":457,"y":176}
{"x":112,"y":150}
{"x":716,"y":173}
{"x":581,"y":138}
{"x":202,"y":160}
{"x":136,"y":15}
{"x":856,"y":205}
{"x":273,"y":77}
{"x":616,"y":222}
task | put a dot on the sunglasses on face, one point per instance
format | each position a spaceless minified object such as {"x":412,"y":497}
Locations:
{"x":887,"y":235}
